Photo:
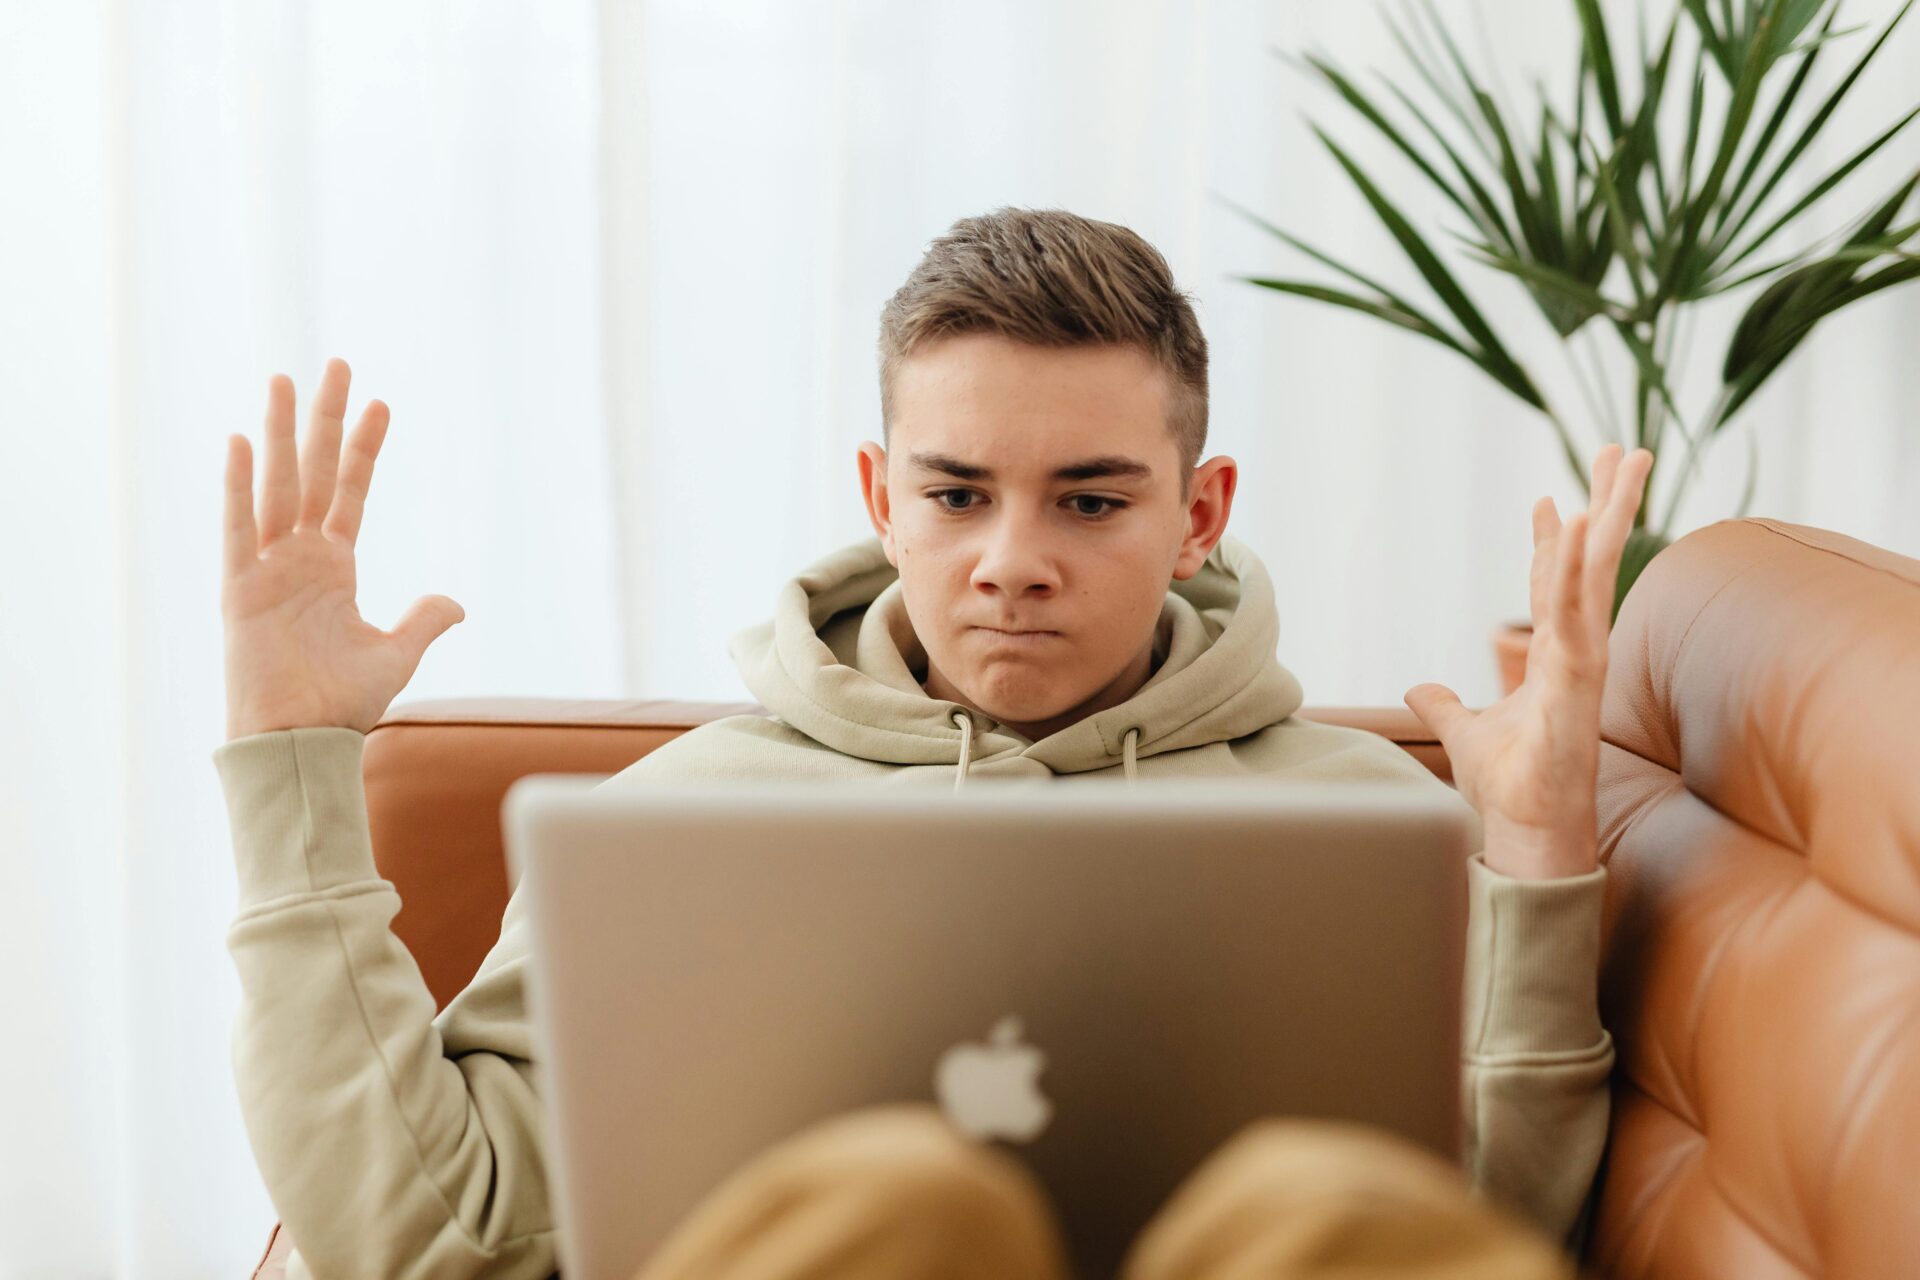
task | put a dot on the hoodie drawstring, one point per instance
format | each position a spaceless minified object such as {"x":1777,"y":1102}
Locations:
{"x":1128,"y":751}
{"x":965,"y":722}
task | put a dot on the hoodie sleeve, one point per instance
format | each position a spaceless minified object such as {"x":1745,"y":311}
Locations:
{"x":392,"y":1142}
{"x":1535,"y":1059}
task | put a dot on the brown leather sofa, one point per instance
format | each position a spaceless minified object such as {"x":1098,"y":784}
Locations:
{"x":1760,"y":813}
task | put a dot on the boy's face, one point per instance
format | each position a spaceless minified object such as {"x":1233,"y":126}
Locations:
{"x":1031,"y":501}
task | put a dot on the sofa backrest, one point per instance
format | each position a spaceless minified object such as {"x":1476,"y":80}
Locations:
{"x":1760,"y":816}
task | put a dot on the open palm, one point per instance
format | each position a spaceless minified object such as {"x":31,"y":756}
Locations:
{"x":298,"y":653}
{"x":1529,"y":763}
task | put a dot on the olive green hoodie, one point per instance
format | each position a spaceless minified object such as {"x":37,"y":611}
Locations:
{"x":396,"y":1142}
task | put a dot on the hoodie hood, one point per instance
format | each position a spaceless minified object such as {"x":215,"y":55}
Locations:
{"x":838,"y":662}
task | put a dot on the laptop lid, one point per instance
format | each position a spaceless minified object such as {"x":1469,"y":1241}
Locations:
{"x":1110,"y":982}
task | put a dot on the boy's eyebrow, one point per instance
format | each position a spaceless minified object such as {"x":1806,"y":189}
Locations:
{"x":1106,"y":465}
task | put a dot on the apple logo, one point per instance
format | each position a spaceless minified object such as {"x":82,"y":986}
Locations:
{"x":992,"y":1090}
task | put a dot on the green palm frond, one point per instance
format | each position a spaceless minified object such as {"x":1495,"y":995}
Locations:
{"x":1672,"y":169}
{"x":1787,"y":310}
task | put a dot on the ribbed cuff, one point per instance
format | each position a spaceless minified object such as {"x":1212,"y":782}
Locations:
{"x":298,"y":811}
{"x":1533,"y":962}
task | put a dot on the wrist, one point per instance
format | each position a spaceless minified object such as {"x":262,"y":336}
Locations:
{"x":246,"y":722}
{"x":1539,"y":853}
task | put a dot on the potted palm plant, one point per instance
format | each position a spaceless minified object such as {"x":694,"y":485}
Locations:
{"x":1624,"y":210}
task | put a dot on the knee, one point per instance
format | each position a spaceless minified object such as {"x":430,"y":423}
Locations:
{"x":908,"y":1164}
{"x":1309,"y":1197}
{"x":896,"y":1151}
{"x":1282,"y":1161}
{"x":884,"y":1191}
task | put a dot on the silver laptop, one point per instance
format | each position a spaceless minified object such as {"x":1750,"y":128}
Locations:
{"x":1109,"y":982}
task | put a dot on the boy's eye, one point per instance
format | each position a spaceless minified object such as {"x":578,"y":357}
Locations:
{"x":1088,"y":505}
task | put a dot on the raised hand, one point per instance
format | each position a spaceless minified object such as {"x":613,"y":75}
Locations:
{"x":1530,"y":762}
{"x":298,"y":652}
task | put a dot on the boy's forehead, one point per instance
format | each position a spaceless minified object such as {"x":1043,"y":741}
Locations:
{"x":984,"y":398}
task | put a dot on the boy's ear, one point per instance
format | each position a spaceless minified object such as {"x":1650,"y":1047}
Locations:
{"x":1209,"y":502}
{"x":872,"y":461}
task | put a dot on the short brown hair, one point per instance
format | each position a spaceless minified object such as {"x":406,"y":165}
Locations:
{"x":1053,"y":279}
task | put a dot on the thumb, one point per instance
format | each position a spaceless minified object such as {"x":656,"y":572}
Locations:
{"x":1438,"y":708}
{"x":425,"y":621}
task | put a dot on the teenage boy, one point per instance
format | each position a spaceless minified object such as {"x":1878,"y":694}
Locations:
{"x":1050,"y":595}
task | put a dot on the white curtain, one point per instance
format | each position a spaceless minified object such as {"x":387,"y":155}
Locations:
{"x":617,"y":270}
{"x":195,"y":197}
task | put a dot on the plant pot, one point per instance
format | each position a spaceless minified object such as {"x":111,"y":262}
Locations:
{"x":1510,"y":643}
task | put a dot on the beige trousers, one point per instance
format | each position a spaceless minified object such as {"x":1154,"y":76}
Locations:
{"x":896,"y":1192}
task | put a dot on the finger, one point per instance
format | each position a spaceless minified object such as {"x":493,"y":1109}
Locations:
{"x":1546,"y":520}
{"x":1608,"y":538}
{"x":1438,"y":708}
{"x":1539,"y":584}
{"x":1629,"y":487}
{"x":280,"y":473}
{"x":1606,"y":465}
{"x":242,"y":540}
{"x":1568,"y":608}
{"x":356,"y":472}
{"x":320,"y":458}
{"x":425,"y":621}
{"x":1546,"y":528}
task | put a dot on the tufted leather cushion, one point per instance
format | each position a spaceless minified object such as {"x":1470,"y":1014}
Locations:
{"x":1760,"y":813}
